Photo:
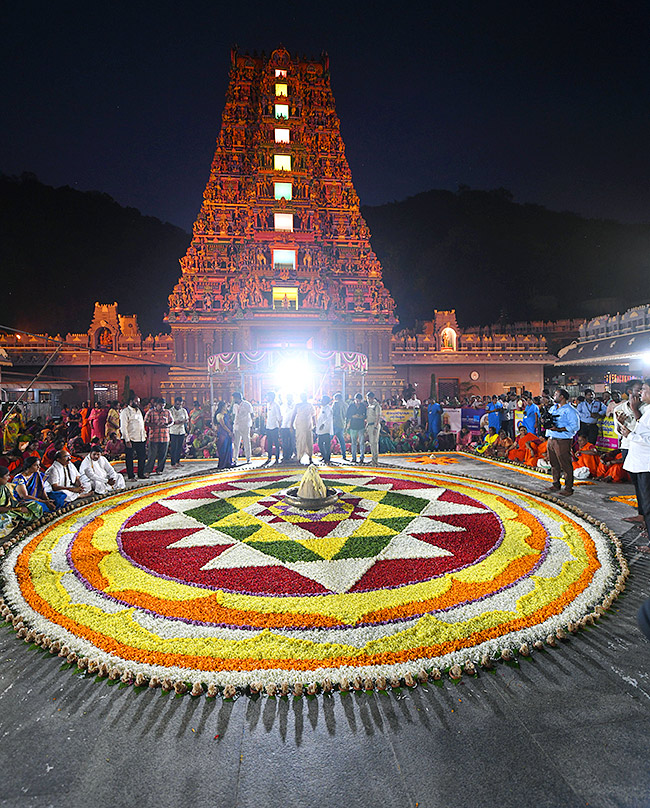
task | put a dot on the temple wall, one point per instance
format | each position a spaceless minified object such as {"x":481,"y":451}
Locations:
{"x":494,"y":377}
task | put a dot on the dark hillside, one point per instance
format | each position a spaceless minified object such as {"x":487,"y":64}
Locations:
{"x":61,"y":250}
{"x":476,"y":251}
{"x":487,"y":256}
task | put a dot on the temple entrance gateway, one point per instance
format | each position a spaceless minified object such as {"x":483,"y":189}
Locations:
{"x":280,"y":256}
{"x":285,"y":372}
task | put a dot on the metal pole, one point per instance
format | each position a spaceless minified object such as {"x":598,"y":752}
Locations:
{"x":211,"y":397}
{"x":90,"y":388}
{"x":363,"y":384}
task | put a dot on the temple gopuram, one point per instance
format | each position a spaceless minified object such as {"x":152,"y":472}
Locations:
{"x":280,"y":260}
{"x":279,"y":279}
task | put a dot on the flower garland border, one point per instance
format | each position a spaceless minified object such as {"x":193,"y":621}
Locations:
{"x":84,"y":665}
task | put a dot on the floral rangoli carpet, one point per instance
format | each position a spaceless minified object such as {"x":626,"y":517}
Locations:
{"x":217,"y":582}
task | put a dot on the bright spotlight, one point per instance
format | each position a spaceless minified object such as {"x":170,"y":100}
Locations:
{"x":293,"y":375}
{"x":645,"y":358}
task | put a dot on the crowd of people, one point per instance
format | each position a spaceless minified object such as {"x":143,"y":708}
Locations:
{"x":51,"y":464}
{"x":527,"y":441}
{"x":46,"y":466}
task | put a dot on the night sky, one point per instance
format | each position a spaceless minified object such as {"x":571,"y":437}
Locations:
{"x":549,"y":100}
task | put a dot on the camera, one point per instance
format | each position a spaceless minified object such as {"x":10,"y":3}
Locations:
{"x":548,"y":420}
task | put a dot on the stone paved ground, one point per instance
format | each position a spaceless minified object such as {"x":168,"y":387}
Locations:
{"x":569,"y":728}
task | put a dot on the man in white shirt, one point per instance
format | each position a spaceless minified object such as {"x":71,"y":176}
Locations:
{"x":287,"y":433}
{"x":626,"y":415}
{"x":63,"y":481}
{"x":510,"y":406}
{"x":324,"y":428}
{"x":241,"y":426}
{"x":590,"y":411}
{"x":414,"y":404}
{"x":373,"y":425}
{"x":135,"y":437}
{"x":273,"y":424}
{"x":638,"y":457}
{"x":177,"y":431}
{"x":98,"y":474}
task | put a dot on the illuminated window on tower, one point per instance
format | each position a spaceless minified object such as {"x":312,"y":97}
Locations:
{"x":284,"y":258}
{"x":282,"y":162}
{"x":282,"y":135}
{"x":281,"y":89}
{"x":282,"y":190}
{"x":280,"y":74}
{"x":281,"y":110}
{"x":285,"y":297}
{"x":283,"y":221}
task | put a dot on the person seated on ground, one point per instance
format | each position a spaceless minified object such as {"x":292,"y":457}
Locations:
{"x":490,"y":439}
{"x":446,"y":439}
{"x":78,"y":450}
{"x":63,"y":481}
{"x":524,"y":438}
{"x":536,"y":451}
{"x":30,"y":487}
{"x":114,"y":447}
{"x":76,"y":446}
{"x":586,"y":455}
{"x":14,"y":513}
{"x":26,"y":447}
{"x":479,"y":439}
{"x":611,"y":468}
{"x":464,"y":438}
{"x":424,"y":442}
{"x":386,"y":442}
{"x":45,"y":438}
{"x":410,"y":436}
{"x":503,"y":445}
{"x":11,"y":461}
{"x":49,"y":455}
{"x":97,"y":473}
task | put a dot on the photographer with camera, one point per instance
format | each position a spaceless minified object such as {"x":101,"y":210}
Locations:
{"x":561,"y":423}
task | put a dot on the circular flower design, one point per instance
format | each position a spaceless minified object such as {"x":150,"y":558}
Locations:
{"x":220,"y":581}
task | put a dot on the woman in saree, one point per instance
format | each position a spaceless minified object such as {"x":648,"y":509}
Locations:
{"x":13,"y":513}
{"x":73,"y":427}
{"x":536,"y":452}
{"x":29,"y":487}
{"x":521,"y":450}
{"x":97,"y":419}
{"x":12,"y":425}
{"x":303,"y":423}
{"x":86,"y":430}
{"x":112,"y":421}
{"x":45,"y":439}
{"x":503,"y":444}
{"x":490,"y":439}
{"x":196,"y":418}
{"x":224,"y":436}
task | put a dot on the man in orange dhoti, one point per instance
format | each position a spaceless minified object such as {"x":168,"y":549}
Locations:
{"x":587,"y":455}
{"x":611,"y":467}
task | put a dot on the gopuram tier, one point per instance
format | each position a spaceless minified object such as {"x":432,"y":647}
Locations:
{"x":280,"y":257}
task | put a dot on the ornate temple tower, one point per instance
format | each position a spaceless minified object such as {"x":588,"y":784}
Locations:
{"x":280,"y":256}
